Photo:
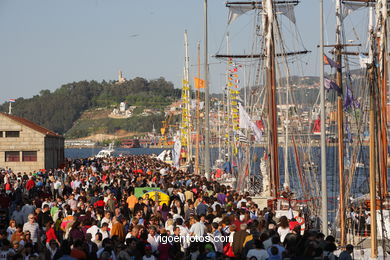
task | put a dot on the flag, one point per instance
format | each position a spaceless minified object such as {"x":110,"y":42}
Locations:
{"x":176,"y":152}
{"x":260,"y":125}
{"x":348,"y":98}
{"x":12,"y":100}
{"x":332,"y":63}
{"x":332,"y":85}
{"x":242,"y":138}
{"x":199,"y":83}
{"x":245,"y":122}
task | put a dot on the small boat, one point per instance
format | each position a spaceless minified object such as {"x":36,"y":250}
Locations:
{"x":165,"y":156}
{"x":108,"y":152}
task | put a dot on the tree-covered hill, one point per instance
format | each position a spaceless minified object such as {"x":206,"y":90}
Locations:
{"x":59,"y":110}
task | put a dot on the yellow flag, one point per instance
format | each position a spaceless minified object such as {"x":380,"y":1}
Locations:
{"x":199,"y":83}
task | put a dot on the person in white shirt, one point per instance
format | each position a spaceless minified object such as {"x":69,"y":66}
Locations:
{"x":93,"y":229}
{"x":152,"y":238}
{"x":57,"y":185}
{"x":215,"y":205}
{"x":33,"y":227}
{"x":184,"y":232}
{"x":198,"y":228}
{"x":258,"y":251}
{"x":76,"y":184}
{"x":181,"y":195}
{"x":107,"y":219}
{"x":284,"y":228}
{"x":240,"y":201}
{"x":104,"y":231}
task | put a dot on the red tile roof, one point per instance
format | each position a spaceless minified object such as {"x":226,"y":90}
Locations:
{"x":31,"y":125}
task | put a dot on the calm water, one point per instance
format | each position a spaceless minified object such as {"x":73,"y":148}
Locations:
{"x":75,"y":153}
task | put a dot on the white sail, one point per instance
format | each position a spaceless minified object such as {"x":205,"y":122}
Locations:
{"x":237,"y":11}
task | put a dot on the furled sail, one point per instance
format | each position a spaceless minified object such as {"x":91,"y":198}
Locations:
{"x":237,"y":10}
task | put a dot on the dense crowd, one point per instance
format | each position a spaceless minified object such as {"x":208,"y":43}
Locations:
{"x":88,"y":210}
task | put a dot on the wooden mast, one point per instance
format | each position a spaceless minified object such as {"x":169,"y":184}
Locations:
{"x":340,"y":128}
{"x":383,"y":95}
{"x":374,"y":242}
{"x":324,"y":188}
{"x":271,"y":92}
{"x":381,"y":30}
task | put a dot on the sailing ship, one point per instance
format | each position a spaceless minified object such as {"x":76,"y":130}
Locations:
{"x":357,"y":116}
{"x":265,"y":101}
{"x":347,"y":153}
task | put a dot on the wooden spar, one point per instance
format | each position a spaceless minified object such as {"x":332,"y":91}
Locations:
{"x":259,"y":4}
{"x":197,"y":118}
{"x":340,"y":125}
{"x":272,"y":116}
{"x":340,"y":131}
{"x":361,"y":1}
{"x":374,"y":242}
{"x":342,"y":45}
{"x":253,"y":56}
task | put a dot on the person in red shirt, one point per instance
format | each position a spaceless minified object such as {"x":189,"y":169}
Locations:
{"x":50,"y":233}
{"x":30,"y":184}
{"x":293,"y":223}
{"x":100,"y":203}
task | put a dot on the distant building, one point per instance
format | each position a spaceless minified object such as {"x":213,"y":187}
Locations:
{"x":124,"y":111}
{"x":121,"y":79}
{"x":79,"y":143}
{"x":123,"y":107}
{"x":27,"y":147}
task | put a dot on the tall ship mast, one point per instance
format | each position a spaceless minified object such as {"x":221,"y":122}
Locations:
{"x":271,"y":56}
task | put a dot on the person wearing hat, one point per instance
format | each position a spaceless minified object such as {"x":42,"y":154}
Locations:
{"x":210,"y":253}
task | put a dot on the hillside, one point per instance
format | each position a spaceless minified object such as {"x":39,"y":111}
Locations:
{"x":82,"y":108}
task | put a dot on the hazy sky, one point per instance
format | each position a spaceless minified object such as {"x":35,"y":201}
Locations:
{"x":47,"y":43}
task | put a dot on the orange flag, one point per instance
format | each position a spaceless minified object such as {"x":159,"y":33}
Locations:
{"x":199,"y":83}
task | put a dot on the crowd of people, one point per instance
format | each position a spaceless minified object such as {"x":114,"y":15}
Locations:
{"x":88,"y":210}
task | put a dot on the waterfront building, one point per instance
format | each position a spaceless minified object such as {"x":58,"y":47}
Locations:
{"x":27,"y":147}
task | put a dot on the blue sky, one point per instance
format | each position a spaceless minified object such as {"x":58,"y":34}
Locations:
{"x":47,"y":43}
